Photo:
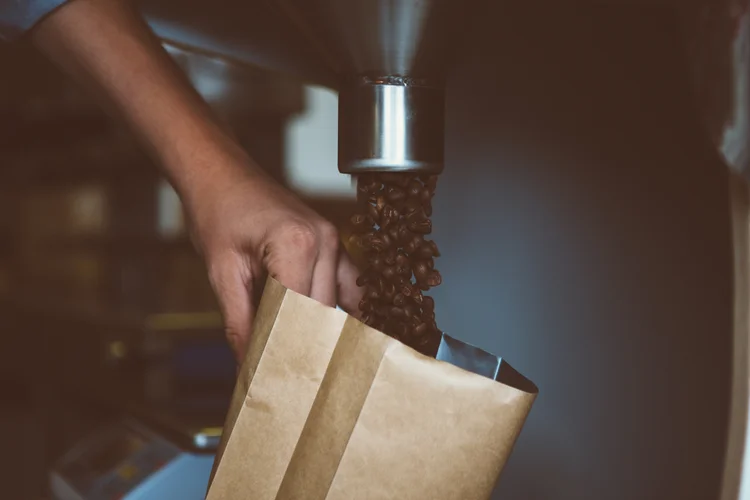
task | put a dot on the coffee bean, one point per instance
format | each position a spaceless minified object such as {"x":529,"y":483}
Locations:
{"x":404,"y":235}
{"x":361,"y":222}
{"x":421,"y":329}
{"x":387,"y":241}
{"x":388,"y":216}
{"x":389,"y":273}
{"x":396,"y":312}
{"x":393,"y":232}
{"x":434,"y":279}
{"x":435,"y":251}
{"x":421,"y":269}
{"x":377,"y":243}
{"x":365,"y":305}
{"x":391,"y":257}
{"x":394,"y":178}
{"x":395,"y":194}
{"x":394,"y":217}
{"x":389,"y":292}
{"x":373,"y":214}
{"x":424,"y":251}
{"x":423,"y":227}
{"x":415,"y":189}
{"x":413,"y":244}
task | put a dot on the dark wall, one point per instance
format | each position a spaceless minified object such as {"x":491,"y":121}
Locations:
{"x":583,"y":219}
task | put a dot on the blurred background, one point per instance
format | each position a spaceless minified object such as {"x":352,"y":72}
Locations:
{"x":582,"y":218}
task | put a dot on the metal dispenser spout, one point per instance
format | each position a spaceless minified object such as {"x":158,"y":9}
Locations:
{"x":390,"y":58}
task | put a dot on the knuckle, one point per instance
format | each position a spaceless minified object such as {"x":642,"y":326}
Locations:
{"x":302,"y":237}
{"x":329,"y":236}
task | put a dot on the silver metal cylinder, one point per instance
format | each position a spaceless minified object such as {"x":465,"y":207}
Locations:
{"x":391,"y":124}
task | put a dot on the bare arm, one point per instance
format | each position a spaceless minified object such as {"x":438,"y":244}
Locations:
{"x":106,"y":46}
{"x":245,"y":225}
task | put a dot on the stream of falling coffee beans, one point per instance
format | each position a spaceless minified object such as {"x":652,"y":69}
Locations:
{"x":393,"y":219}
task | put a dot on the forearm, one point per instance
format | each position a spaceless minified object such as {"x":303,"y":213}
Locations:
{"x":106,"y":46}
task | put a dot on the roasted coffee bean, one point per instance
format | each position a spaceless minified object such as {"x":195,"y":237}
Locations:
{"x":421,"y":329}
{"x":396,"y":312}
{"x":380,"y":203}
{"x":403,"y":330}
{"x":395,"y":194}
{"x":403,"y":270}
{"x":373,"y":187}
{"x":421,"y":269}
{"x":365,"y":305}
{"x":411,"y":206}
{"x":361,"y":222}
{"x":435,"y":251}
{"x":415,"y":188}
{"x":411,"y":311}
{"x":373,"y":214}
{"x":404,"y":235}
{"x":423,"y":227}
{"x":394,"y":217}
{"x":390,"y":257}
{"x":389,"y":292}
{"x":393,"y":232}
{"x":394,"y":178}
{"x":389,"y":273}
{"x":434,"y":279}
{"x":417,"y":215}
{"x":387,"y":241}
{"x":376,"y":261}
{"x":413,"y":244}
{"x":381,"y":310}
{"x":388,"y":216}
{"x":424,"y":251}
{"x":402,"y":259}
{"x":378,"y":244}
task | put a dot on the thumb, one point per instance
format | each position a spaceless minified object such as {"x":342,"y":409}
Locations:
{"x":232,"y":282}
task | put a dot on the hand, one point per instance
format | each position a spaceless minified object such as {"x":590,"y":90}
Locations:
{"x":244,"y":224}
{"x":247,"y":227}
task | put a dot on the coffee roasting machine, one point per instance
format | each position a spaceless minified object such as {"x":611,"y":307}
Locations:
{"x":389,"y":61}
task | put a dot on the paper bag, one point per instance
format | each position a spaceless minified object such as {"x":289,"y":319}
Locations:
{"x":327,"y":408}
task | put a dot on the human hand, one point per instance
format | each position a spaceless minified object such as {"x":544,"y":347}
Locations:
{"x":248,"y":227}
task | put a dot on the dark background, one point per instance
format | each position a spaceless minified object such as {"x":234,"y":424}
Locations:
{"x":583,"y":222}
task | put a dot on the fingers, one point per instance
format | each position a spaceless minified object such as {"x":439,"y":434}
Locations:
{"x":232,"y":282}
{"x":291,"y":255}
{"x":309,"y":260}
{"x":349,"y":294}
{"x":324,"y":288}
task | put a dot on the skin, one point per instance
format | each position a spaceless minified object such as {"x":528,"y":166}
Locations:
{"x":244,"y":224}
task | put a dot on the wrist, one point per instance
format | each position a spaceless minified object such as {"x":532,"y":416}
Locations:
{"x":203,"y":174}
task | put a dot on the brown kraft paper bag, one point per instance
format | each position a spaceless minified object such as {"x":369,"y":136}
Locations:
{"x":327,"y":408}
